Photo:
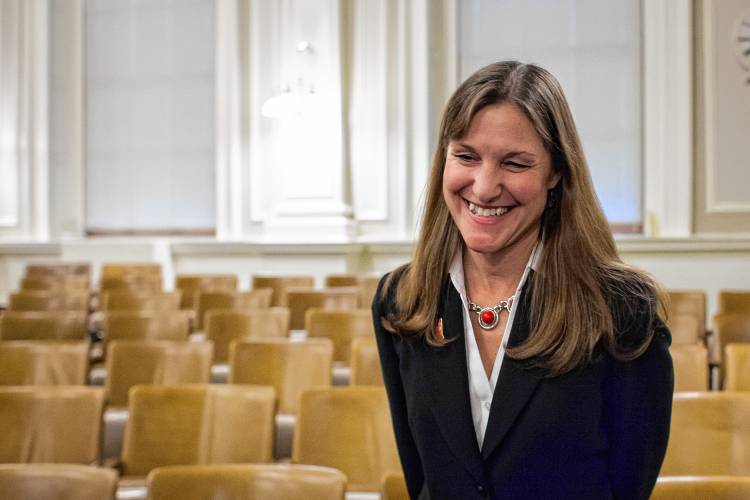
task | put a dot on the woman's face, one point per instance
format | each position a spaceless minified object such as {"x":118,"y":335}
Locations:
{"x":496,"y":179}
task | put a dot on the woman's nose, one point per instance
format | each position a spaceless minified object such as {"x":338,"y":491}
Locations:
{"x":487,"y":183}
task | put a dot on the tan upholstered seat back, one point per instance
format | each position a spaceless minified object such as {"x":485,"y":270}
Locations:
{"x":690,"y":367}
{"x":357,"y":412}
{"x":50,"y":424}
{"x":366,"y":284}
{"x":43,"y":325}
{"x":146,"y":325}
{"x":734,"y":302}
{"x":393,"y":487}
{"x":246,"y":482}
{"x":57,"y":482}
{"x":685,"y":329}
{"x":190,"y":284}
{"x":365,"y":362}
{"x":200,"y":424}
{"x":225,"y":325}
{"x":254,"y":299}
{"x":341,"y":327}
{"x":61,"y":300}
{"x":688,"y":302}
{"x":702,"y":488}
{"x":330,"y":299}
{"x":44,"y":362}
{"x":709,"y":435}
{"x":129,"y":300}
{"x":729,"y":329}
{"x":737,"y":367}
{"x":288,"y":366}
{"x":55,"y":283}
{"x":279,"y":285}
{"x":157,"y":362}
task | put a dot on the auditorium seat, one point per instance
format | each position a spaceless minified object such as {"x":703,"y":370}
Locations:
{"x":156,"y":362}
{"x":702,"y":488}
{"x":246,"y":482}
{"x":730,"y":328}
{"x":190,"y":284}
{"x":367,"y":284}
{"x":36,"y":300}
{"x":288,"y":366}
{"x":50,"y":424}
{"x":329,"y":299}
{"x":197,"y":424}
{"x":709,"y":435}
{"x":132,"y":300}
{"x":688,"y":302}
{"x":44,"y":362}
{"x":43,"y":325}
{"x":118,"y":270}
{"x":685,"y":329}
{"x":393,"y":487}
{"x":330,"y":431}
{"x":280,"y":284}
{"x":55,"y":282}
{"x":255,"y":299}
{"x":56,"y":482}
{"x":690,"y":363}
{"x":135,"y":282}
{"x":146,"y":325}
{"x":342,"y":327}
{"x":734,"y":302}
{"x":225,"y":325}
{"x":737,"y":367}
{"x":365,"y":362}
{"x":58,"y":269}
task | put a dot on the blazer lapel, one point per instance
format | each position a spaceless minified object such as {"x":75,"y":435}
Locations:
{"x":515,"y":383}
{"x":447,"y":381}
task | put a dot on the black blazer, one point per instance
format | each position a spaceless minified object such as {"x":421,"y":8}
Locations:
{"x":596,"y":433}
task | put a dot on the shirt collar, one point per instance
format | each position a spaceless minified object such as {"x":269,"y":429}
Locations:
{"x":456,"y":270}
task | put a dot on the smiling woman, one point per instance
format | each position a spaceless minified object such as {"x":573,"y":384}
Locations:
{"x":522,"y":358}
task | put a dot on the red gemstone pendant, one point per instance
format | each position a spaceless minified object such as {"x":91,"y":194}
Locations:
{"x":488,"y":318}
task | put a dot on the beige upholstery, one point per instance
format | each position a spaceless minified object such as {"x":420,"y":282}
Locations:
{"x":330,"y":299}
{"x":730,"y":328}
{"x":197,"y":424}
{"x":225,"y":325}
{"x":56,"y":482}
{"x":136,"y":283}
{"x":690,"y":367}
{"x":688,"y":302}
{"x":358,"y":412}
{"x":44,"y":424}
{"x":206,"y":301}
{"x":43,"y":325}
{"x":365,"y":362}
{"x":55,"y":282}
{"x":280,"y":284}
{"x":44,"y":362}
{"x":130,"y":300}
{"x":702,"y":488}
{"x":288,"y":366}
{"x":58,"y":269}
{"x":734,"y":302}
{"x":709,"y":435}
{"x":393,"y":487}
{"x":118,"y":270}
{"x":36,"y":300}
{"x":685,"y":329}
{"x":246,"y":482}
{"x":190,"y":284}
{"x":737,"y":367}
{"x":146,"y":325}
{"x":341,"y":327}
{"x":157,"y":362}
{"x":367,"y":284}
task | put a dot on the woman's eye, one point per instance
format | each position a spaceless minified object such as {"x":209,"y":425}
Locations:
{"x":464,"y":156}
{"x":517,"y":165}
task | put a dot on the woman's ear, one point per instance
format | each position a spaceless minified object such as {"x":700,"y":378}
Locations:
{"x":554,"y":178}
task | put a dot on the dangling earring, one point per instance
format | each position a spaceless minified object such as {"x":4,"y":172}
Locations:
{"x":551,"y":198}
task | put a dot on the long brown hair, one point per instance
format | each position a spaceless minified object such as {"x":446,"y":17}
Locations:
{"x":580,"y":274}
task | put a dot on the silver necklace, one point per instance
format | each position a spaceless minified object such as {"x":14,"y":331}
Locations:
{"x":488,"y":317}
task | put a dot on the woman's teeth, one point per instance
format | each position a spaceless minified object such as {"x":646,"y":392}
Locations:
{"x":487,"y":212}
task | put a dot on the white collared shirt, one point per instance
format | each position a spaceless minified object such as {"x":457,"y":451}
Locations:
{"x":481,"y":389}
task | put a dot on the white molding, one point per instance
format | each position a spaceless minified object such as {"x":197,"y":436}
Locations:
{"x":710,"y":74}
{"x":667,"y":117}
{"x":368,"y":116}
{"x":229,"y":175}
